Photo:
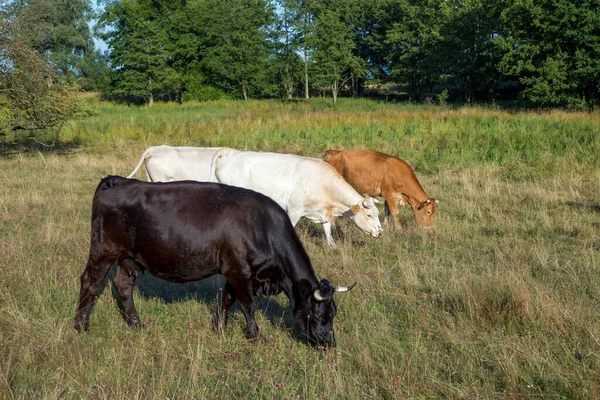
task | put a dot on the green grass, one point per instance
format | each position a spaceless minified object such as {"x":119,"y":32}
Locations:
{"x":500,"y":299}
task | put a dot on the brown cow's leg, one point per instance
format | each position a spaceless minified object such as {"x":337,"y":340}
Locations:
{"x":391,"y":209}
{"x":124,"y":282}
{"x":227,"y":300}
{"x":91,"y":280}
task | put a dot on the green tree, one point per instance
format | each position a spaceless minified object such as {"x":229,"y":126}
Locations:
{"x":553,"y":48}
{"x":287,"y":46}
{"x":373,"y":20}
{"x":69,"y":39}
{"x":34,"y":101}
{"x":141,"y":50}
{"x":414,"y":39}
{"x":470,"y":56}
{"x":335,"y":61}
{"x":235,"y":44}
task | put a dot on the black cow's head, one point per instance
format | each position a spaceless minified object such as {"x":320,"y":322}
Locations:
{"x":316,"y":310}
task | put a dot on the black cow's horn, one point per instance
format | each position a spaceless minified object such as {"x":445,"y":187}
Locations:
{"x":343,"y":288}
{"x":317,"y":295}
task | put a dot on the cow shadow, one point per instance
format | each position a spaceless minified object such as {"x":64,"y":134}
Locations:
{"x":12,"y":149}
{"x":315,"y":233}
{"x":584,"y":206}
{"x":208,"y":291}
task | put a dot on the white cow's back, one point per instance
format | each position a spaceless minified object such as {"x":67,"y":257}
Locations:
{"x":167,"y":163}
{"x":293,"y":181}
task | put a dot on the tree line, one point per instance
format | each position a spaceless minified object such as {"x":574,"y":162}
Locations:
{"x":546,"y":52}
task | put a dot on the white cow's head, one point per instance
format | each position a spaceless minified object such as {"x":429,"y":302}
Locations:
{"x":366,"y":216}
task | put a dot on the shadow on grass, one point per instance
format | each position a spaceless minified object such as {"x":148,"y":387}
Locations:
{"x":584,"y":206}
{"x":11,"y":149}
{"x":207,"y":291}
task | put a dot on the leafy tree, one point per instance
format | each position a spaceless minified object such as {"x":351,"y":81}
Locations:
{"x":287,"y":45}
{"x":553,"y":48}
{"x":333,"y":42}
{"x":141,"y":51}
{"x":235,"y":45}
{"x":470,"y":57}
{"x":415,"y":40}
{"x":303,"y":24}
{"x":373,"y":19}
{"x":35,"y":101}
{"x":95,"y":72}
{"x":69,"y":39}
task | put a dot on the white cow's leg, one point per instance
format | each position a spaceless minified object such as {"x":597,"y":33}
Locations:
{"x":328,"y":235}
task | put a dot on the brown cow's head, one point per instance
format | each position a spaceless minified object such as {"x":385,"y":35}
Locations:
{"x":425,"y":212}
{"x":315,"y":312}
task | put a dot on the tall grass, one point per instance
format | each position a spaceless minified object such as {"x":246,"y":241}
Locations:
{"x":499,"y":300}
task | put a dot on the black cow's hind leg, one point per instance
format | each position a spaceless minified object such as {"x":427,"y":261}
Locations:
{"x":124,"y":282}
{"x":91,"y":280}
{"x":227,"y":300}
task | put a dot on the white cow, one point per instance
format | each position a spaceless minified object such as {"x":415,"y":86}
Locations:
{"x":166,"y":163}
{"x":304,"y":187}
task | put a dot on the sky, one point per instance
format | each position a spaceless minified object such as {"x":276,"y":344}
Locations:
{"x":98,"y":43}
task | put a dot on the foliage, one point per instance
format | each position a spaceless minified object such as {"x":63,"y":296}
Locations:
{"x":335,"y":62}
{"x":470,"y":57}
{"x":140,"y":56}
{"x":69,"y":39}
{"x":236,"y":45}
{"x":554,"y":49}
{"x":415,"y":38}
{"x":39,"y":101}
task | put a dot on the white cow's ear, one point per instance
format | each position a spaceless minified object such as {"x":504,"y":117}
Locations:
{"x":377,"y":201}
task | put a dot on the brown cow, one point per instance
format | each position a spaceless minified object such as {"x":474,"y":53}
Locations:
{"x":379,"y":174}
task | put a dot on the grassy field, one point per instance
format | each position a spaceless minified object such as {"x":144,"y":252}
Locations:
{"x":499,"y":300}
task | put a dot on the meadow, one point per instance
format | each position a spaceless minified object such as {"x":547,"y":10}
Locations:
{"x":499,"y":300}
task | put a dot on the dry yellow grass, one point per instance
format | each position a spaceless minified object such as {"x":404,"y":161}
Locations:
{"x":499,"y":300}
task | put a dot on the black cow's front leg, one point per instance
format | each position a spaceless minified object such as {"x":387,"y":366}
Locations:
{"x":246,"y":300}
{"x":124,"y":282}
{"x":227,"y":300}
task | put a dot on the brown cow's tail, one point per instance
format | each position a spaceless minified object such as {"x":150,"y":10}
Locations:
{"x":329,"y":153}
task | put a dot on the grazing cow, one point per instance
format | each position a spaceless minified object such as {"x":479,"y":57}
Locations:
{"x":304,"y":187}
{"x":186,"y":231}
{"x":166,"y":163}
{"x":379,"y":174}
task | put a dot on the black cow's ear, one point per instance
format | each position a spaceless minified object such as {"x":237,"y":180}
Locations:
{"x":324,"y":292}
{"x":305,"y":289}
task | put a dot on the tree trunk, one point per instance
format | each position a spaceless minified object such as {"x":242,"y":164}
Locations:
{"x":244,"y":92}
{"x":151,"y":100}
{"x":306,"y":95}
{"x":334,"y":91}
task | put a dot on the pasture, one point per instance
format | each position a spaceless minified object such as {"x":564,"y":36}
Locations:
{"x":499,"y":300}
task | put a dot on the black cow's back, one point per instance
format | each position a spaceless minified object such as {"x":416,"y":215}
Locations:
{"x":184,"y":231}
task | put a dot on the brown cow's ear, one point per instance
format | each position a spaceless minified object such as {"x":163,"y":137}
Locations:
{"x":355,"y":208}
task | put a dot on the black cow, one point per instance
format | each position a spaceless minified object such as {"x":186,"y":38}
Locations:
{"x":186,"y":231}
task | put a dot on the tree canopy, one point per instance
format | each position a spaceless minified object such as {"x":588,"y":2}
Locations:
{"x":546,"y":52}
